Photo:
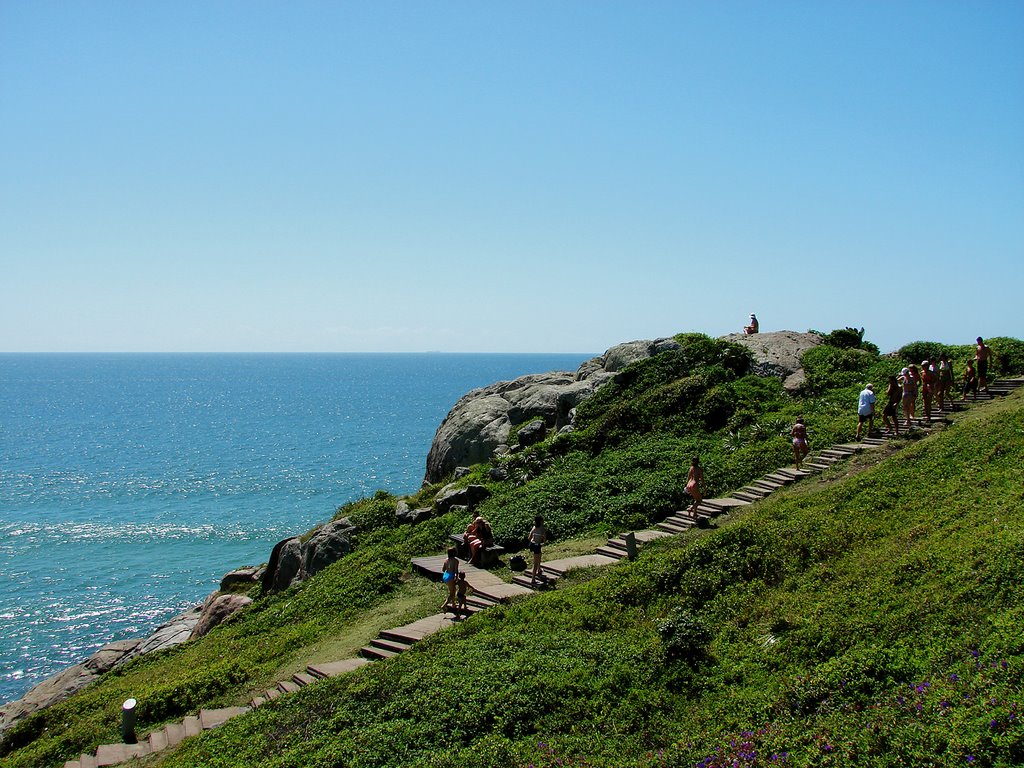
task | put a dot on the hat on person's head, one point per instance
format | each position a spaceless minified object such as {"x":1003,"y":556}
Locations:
{"x":751,"y":314}
{"x":904,"y":372}
{"x":869,"y":386}
{"x":924,"y":362}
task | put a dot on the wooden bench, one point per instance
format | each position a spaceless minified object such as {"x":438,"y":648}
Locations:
{"x":488,"y":555}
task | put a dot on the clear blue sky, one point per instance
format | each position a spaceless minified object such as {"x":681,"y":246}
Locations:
{"x":513,"y":176}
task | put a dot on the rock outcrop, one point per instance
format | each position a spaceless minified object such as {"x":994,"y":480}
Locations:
{"x":778,"y":354}
{"x":216,"y":610}
{"x":481,"y":421}
{"x":110,"y":656}
{"x":293,"y":560}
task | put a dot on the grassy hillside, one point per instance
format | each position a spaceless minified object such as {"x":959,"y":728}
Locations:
{"x":874,"y":620}
{"x":750,"y":628}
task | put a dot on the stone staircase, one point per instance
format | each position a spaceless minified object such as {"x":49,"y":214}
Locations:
{"x":489,"y":589}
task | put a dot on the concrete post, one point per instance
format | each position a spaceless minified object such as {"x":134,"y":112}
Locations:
{"x":630,"y":545}
{"x":128,"y":721}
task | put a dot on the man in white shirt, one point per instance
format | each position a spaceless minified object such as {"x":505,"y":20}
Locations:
{"x":866,"y":409}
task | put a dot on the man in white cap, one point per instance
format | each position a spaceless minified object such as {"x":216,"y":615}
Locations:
{"x":866,"y":409}
{"x":753,"y":327}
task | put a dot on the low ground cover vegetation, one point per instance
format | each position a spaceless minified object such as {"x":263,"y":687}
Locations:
{"x":794,"y":634}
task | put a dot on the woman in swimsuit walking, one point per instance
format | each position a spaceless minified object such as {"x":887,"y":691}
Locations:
{"x":799,"y":435}
{"x":694,"y":483}
{"x":908,"y":380}
{"x":892,"y":400}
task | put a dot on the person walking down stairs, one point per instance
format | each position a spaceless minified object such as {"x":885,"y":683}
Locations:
{"x":538,"y":537}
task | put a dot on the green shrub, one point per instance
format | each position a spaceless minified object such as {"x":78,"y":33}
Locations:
{"x":828,"y":367}
{"x":916,"y":351}
{"x":684,"y":636}
{"x":849,"y":338}
{"x":1009,"y":354}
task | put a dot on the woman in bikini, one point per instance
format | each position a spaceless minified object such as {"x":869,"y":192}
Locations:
{"x":449,"y":575}
{"x":799,"y":435}
{"x":694,"y":483}
{"x":928,"y":380}
{"x":908,"y":381}
{"x":892,"y":401}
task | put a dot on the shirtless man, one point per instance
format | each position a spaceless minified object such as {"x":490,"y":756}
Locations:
{"x":983,"y":353}
{"x":754,"y":325}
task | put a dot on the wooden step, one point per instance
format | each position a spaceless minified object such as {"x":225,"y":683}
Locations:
{"x":753,"y":490}
{"x":744,"y":496}
{"x":397,"y":635}
{"x":674,"y":526}
{"x":325,"y":669}
{"x":369,"y":652}
{"x":158,"y":740}
{"x":303,"y":678}
{"x":212,"y":718}
{"x":175,"y":734}
{"x":112,"y":754}
{"x":391,"y":645}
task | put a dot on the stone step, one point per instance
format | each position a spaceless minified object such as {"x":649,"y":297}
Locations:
{"x":780,"y":477}
{"x":610,"y":551}
{"x":272,"y":693}
{"x":287,"y":686}
{"x":87,"y":761}
{"x":767,"y":485}
{"x":257,"y":701}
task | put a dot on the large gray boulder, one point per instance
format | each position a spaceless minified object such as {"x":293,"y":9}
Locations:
{"x":327,"y":545}
{"x":481,"y":421}
{"x":778,"y":354}
{"x":293,"y":560}
{"x":216,"y":610}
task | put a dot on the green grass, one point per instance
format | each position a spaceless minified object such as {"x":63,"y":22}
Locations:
{"x":873,"y":620}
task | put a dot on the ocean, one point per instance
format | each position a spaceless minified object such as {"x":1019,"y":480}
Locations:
{"x":129,"y":484}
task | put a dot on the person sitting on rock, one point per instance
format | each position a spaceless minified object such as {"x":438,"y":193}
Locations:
{"x":753,"y":327}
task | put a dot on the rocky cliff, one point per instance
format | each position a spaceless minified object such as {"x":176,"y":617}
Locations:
{"x":483,"y":420}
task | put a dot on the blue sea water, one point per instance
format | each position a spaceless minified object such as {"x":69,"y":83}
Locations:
{"x":129,"y":484}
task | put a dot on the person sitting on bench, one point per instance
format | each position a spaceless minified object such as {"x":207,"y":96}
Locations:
{"x":478,"y":536}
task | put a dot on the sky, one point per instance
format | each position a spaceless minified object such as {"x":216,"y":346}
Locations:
{"x":520,"y":176}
